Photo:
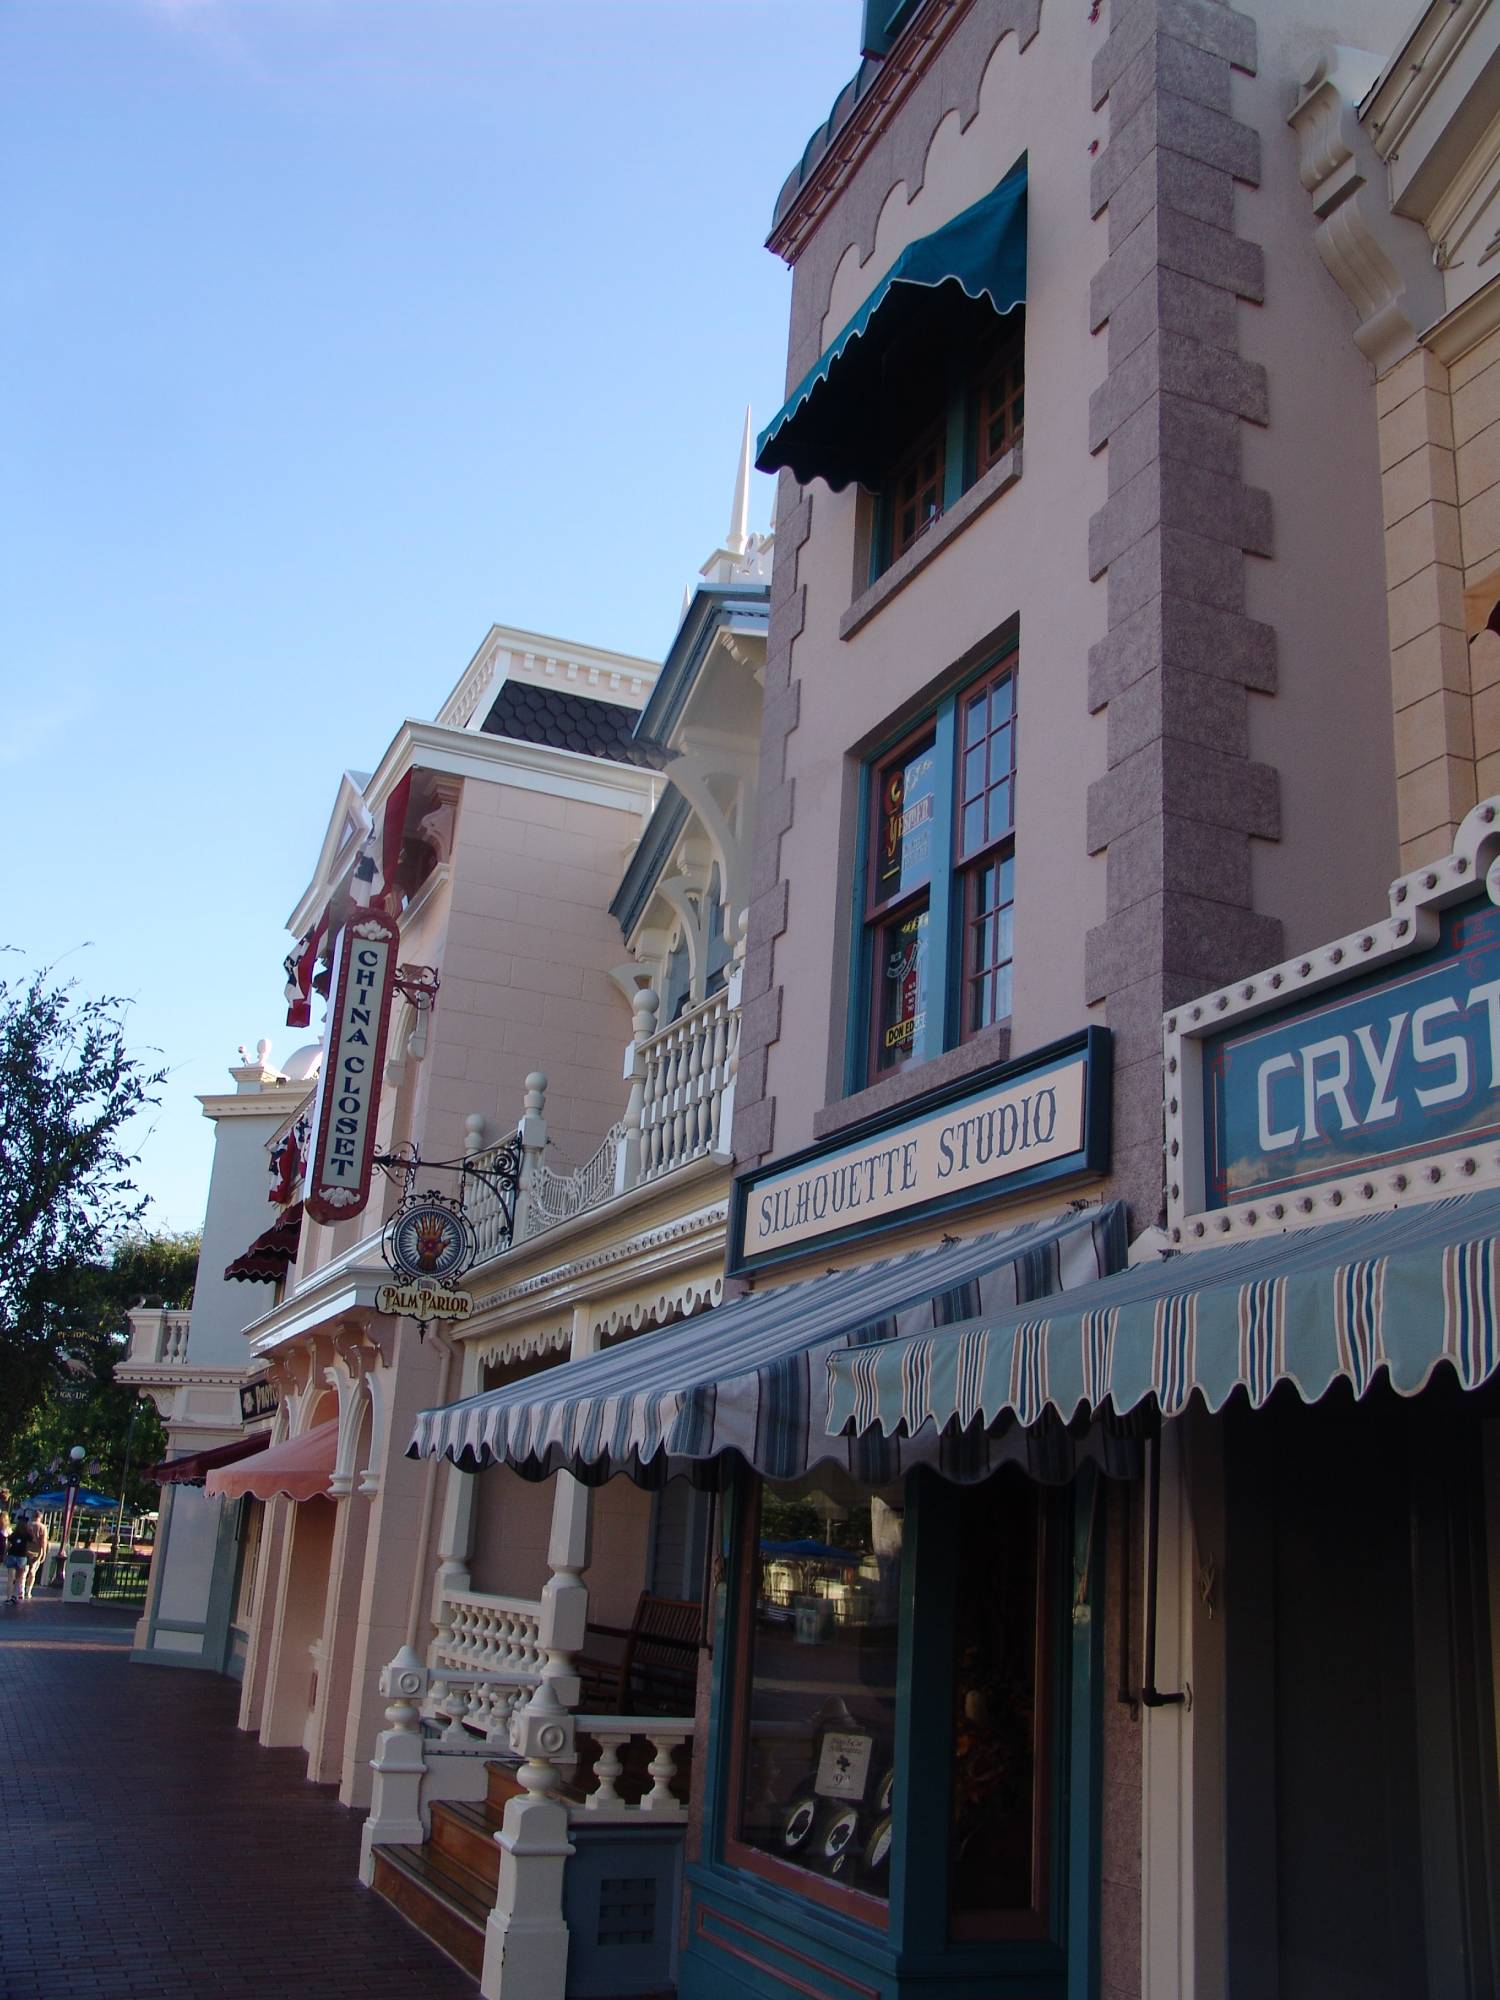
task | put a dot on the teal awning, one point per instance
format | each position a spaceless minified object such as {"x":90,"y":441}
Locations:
{"x":1400,"y":1293}
{"x":942,"y":290}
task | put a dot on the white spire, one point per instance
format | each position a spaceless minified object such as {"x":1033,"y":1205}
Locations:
{"x":743,"y":558}
{"x":738,"y":538}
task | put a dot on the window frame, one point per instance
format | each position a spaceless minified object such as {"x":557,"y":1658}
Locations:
{"x":947,"y":890}
{"x":959,"y":422}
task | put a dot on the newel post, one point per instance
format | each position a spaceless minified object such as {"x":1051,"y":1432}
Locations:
{"x":733,"y":988}
{"x":532,"y":1135}
{"x":526,"y":1937}
{"x":628,"y":1160}
{"x":399,"y":1765}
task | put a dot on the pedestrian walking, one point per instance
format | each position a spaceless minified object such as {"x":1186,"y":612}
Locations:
{"x":16,"y":1557}
{"x":36,"y":1553}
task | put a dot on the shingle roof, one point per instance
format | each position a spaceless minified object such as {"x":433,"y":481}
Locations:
{"x":564,"y":721}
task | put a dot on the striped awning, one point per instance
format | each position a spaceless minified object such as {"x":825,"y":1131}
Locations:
{"x":1399,"y":1293}
{"x":749,"y":1379}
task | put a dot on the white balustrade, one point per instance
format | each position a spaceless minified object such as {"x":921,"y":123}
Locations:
{"x":680,"y":1107}
{"x":486,"y":1659}
{"x":665,"y":1733}
{"x":173,"y":1346}
{"x":688,"y":1067}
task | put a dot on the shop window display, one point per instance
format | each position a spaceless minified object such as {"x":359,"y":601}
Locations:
{"x":817,"y":1713}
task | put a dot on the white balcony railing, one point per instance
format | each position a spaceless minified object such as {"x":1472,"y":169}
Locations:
{"x":666,"y":1734}
{"x":680,"y":1109}
{"x":688,"y":1068}
{"x":158,"y":1337}
{"x":486,"y":1659}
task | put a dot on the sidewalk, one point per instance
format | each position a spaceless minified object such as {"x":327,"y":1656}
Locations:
{"x":148,"y":1848}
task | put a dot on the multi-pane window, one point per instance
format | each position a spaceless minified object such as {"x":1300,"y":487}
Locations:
{"x":952,"y":437}
{"x":986,"y":827}
{"x":1000,"y":402}
{"x":940,"y":877}
{"x":917,"y":492}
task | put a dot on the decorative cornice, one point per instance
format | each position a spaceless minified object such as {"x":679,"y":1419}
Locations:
{"x":638,"y":1257}
{"x":276,"y":1102}
{"x":1380,"y":261}
{"x":1463,"y":328}
{"x":901,"y":70}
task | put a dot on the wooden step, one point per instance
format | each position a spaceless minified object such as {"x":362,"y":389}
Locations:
{"x":447,"y":1902}
{"x":467,"y":1833}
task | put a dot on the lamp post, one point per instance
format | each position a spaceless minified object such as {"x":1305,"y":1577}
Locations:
{"x":135,"y":1411}
{"x":75,"y":1470}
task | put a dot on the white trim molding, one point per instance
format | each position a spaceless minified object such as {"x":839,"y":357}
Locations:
{"x":1381,"y":261}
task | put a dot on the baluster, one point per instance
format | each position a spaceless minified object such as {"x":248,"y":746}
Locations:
{"x":660,"y":1801}
{"x":607,"y":1769}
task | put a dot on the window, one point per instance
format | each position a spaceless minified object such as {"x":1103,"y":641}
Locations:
{"x":813,"y":1784}
{"x":841,"y":1774}
{"x":978,"y":419}
{"x":940,"y":878}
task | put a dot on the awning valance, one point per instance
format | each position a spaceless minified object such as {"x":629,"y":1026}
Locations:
{"x":273,"y":1252}
{"x":194,"y":1466}
{"x":300,"y":1468}
{"x":829,"y":427}
{"x":1401,"y":1292}
{"x":749,"y":1379}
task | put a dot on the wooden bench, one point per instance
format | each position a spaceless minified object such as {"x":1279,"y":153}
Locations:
{"x":657,"y":1671}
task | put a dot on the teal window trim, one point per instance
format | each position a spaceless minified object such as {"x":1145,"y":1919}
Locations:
{"x":942,"y":1029}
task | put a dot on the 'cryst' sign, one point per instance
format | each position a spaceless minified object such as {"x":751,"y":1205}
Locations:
{"x":1395,"y":1066}
{"x":364,"y":972}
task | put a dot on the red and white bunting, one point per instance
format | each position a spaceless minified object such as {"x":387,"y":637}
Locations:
{"x":337,"y":1180}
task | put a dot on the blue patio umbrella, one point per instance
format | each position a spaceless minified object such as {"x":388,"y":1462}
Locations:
{"x":98,"y":1503}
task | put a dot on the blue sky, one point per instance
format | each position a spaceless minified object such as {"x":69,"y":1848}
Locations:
{"x":335,"y":331}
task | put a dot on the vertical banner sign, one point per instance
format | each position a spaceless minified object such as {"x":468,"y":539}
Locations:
{"x":359,"y":1010}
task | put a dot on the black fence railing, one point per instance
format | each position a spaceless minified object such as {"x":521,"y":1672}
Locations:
{"x":122,"y":1580}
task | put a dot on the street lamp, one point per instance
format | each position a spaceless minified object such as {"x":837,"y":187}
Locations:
{"x":75,"y":1471}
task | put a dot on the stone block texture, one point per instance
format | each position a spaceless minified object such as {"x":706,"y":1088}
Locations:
{"x":1440,"y":495}
{"x":1182,"y":800}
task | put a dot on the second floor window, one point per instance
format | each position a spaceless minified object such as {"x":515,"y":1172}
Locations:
{"x":979,"y":418}
{"x":938,"y":932}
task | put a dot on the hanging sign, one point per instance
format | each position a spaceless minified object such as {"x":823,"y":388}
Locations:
{"x":429,"y":1241}
{"x":359,"y":1011}
{"x":423,"y":1301}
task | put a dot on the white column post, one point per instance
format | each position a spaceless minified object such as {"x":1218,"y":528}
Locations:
{"x":526,"y":1937}
{"x":532,"y":1133}
{"x":628,"y":1160}
{"x":456,"y":1533}
{"x":399,"y":1765}
{"x":733,"y":985}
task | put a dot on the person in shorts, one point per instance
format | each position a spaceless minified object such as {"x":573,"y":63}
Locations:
{"x":34,"y":1542}
{"x":15,"y":1558}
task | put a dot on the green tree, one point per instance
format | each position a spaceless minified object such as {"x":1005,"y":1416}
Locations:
{"x":83,"y":1403}
{"x":69,"y":1087}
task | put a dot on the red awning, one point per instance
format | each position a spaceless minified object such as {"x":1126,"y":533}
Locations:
{"x":194,"y":1466}
{"x":273,"y":1252}
{"x":299,"y":1468}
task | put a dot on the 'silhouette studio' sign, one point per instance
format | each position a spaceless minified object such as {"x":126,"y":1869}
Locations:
{"x":1045,"y":1118}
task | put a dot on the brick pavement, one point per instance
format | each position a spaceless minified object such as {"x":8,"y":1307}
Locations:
{"x":148,"y":1848}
